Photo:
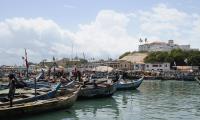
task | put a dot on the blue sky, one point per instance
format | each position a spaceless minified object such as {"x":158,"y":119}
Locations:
{"x":69,"y":13}
{"x":44,"y":26}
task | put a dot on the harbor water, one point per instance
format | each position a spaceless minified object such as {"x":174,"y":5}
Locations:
{"x":154,"y":100}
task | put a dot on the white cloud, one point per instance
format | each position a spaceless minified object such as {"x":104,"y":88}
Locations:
{"x":161,"y":20}
{"x":106,"y":36}
{"x":169,"y":23}
{"x":109,"y":35}
{"x":4,"y":30}
{"x":196,"y":24}
{"x":194,"y":31}
{"x":69,"y":6}
{"x":38,"y":35}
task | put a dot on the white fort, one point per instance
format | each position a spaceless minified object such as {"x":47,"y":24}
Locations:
{"x":162,"y":46}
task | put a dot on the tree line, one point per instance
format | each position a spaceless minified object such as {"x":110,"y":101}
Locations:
{"x":176,"y":57}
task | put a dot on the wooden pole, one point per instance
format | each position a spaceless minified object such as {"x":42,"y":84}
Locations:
{"x":26,"y":61}
{"x":35,"y":86}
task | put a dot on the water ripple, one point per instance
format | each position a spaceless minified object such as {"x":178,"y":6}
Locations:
{"x":154,"y":100}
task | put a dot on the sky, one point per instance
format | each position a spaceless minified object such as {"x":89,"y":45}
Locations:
{"x":99,"y":29}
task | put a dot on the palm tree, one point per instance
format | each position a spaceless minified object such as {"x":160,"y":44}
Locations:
{"x":140,"y":40}
{"x":145,"y":40}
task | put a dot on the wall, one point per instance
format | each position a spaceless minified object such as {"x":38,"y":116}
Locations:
{"x":157,"y":66}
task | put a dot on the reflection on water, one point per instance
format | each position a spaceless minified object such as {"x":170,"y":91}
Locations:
{"x":154,"y":100}
{"x":100,"y":108}
{"x":103,"y":108}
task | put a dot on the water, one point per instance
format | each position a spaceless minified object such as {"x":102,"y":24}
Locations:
{"x":154,"y":100}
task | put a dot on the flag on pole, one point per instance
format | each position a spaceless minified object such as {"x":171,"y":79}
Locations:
{"x":54,"y":67}
{"x":140,"y":40}
{"x":54,"y":62}
{"x":26,"y":62}
{"x":26,"y":59}
{"x":145,"y":40}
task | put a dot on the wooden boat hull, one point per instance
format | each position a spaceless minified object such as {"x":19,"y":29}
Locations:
{"x":129,"y":85}
{"x":40,"y":106}
{"x":97,"y":92}
{"x":44,"y":96}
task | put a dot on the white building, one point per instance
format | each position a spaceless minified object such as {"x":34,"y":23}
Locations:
{"x":139,"y":66}
{"x":157,"y":66}
{"x":162,"y":46}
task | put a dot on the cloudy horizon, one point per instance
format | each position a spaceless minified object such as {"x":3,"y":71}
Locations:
{"x":108,"y":32}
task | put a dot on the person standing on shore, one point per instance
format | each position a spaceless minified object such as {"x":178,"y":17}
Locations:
{"x":12,"y":87}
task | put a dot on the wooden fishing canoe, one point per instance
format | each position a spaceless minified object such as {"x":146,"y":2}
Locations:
{"x":32,"y":97}
{"x":129,"y":84}
{"x":40,"y":106}
{"x":101,"y":90}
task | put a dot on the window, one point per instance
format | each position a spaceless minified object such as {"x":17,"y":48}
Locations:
{"x":155,"y":65}
{"x":147,"y":65}
{"x":166,"y":65}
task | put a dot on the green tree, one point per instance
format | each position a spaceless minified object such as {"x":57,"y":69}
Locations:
{"x":177,"y":55}
{"x":194,"y":58}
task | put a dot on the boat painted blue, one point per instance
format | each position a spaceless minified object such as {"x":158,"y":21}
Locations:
{"x":32,"y":97}
{"x":40,"y":106}
{"x":31,"y":84}
{"x":129,"y":84}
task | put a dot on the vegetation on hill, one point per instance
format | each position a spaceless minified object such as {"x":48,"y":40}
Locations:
{"x":175,"y":57}
{"x":129,"y":53}
{"x":124,"y":54}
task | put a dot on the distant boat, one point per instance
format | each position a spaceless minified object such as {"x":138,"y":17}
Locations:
{"x":40,"y":106}
{"x":129,"y":84}
{"x":101,"y":90}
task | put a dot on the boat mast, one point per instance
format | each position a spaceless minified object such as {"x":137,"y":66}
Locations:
{"x":83,"y":62}
{"x":54,"y":67}
{"x":26,"y":62}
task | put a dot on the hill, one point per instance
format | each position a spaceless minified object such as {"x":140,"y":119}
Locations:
{"x":135,"y":57}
